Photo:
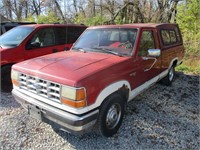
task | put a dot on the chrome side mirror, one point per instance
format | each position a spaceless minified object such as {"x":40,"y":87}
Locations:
{"x":154,"y":52}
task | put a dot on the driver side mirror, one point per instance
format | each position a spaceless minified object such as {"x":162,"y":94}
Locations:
{"x":154,"y":52}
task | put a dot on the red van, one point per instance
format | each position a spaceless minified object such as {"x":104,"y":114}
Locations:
{"x":29,"y":41}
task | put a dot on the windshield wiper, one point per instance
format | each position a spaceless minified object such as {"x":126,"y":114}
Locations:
{"x":78,"y":49}
{"x":107,"y":50}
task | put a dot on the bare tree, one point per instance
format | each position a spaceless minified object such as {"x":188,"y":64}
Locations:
{"x":36,"y":7}
{"x":7,"y":9}
{"x":90,"y":8}
{"x":60,"y":11}
{"x":115,"y":11}
{"x":75,"y":6}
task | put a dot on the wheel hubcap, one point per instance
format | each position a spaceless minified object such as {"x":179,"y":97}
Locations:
{"x":113,"y":116}
{"x":171,"y":74}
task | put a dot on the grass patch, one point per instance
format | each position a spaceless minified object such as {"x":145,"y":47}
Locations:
{"x":190,"y":64}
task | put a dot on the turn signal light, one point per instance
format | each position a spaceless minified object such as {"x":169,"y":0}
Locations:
{"x":76,"y":104}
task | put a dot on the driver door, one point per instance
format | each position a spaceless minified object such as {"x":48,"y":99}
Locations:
{"x":148,"y":67}
{"x":41,"y":43}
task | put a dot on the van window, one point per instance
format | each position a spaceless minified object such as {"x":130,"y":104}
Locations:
{"x":1,"y":31}
{"x":45,"y":37}
{"x":67,"y":35}
{"x":73,"y":33}
{"x":61,"y":35}
{"x":15,"y":36}
{"x":7,"y":28}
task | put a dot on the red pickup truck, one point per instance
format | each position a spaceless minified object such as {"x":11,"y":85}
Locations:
{"x":91,"y":84}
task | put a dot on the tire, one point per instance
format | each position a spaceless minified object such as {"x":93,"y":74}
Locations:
{"x":170,"y":77}
{"x":111,"y":115}
{"x":6,"y":83}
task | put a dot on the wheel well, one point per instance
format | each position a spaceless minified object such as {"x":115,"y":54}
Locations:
{"x":175,"y":63}
{"x":121,"y":87}
{"x":124,"y":91}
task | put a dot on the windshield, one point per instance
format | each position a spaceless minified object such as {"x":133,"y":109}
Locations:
{"x":116,"y":41}
{"x":15,"y":36}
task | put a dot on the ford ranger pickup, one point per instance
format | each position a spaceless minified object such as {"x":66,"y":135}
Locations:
{"x":91,"y":85}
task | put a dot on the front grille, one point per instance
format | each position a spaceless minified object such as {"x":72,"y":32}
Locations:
{"x":40,"y":87}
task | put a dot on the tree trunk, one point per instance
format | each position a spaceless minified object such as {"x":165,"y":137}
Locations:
{"x":75,"y":6}
{"x":123,"y":8}
{"x":9,"y":9}
{"x":35,"y":8}
{"x":173,"y":8}
{"x":26,"y":9}
{"x":60,"y":11}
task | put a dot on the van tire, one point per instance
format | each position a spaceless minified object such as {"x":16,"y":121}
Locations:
{"x":6,"y":83}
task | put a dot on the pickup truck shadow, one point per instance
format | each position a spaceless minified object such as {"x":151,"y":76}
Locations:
{"x":162,"y":117}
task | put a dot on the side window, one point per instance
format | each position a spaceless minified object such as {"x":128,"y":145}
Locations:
{"x":178,"y":34}
{"x":165,"y":37}
{"x":61,"y":35}
{"x":146,"y":42}
{"x":172,"y":36}
{"x":7,"y":28}
{"x":73,"y":33}
{"x":44,"y":37}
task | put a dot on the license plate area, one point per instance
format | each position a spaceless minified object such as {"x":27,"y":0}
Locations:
{"x":34,"y":112}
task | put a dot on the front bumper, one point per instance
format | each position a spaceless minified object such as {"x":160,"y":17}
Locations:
{"x":56,"y":117}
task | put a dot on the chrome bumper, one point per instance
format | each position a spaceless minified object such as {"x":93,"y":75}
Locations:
{"x":56,"y":117}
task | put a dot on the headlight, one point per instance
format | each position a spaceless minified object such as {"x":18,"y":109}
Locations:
{"x":14,"y":77}
{"x":75,"y":97}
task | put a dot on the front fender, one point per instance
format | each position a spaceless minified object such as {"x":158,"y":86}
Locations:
{"x":108,"y":91}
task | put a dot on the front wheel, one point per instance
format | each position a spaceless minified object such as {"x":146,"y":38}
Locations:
{"x":111,"y":115}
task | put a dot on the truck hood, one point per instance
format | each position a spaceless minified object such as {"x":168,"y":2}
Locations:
{"x":68,"y":67}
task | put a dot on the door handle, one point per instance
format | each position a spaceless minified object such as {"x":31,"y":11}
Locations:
{"x":54,"y":50}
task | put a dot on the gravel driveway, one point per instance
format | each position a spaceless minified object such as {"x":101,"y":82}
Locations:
{"x":160,"y":118}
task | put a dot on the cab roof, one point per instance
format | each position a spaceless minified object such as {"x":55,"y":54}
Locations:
{"x":137,"y":25}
